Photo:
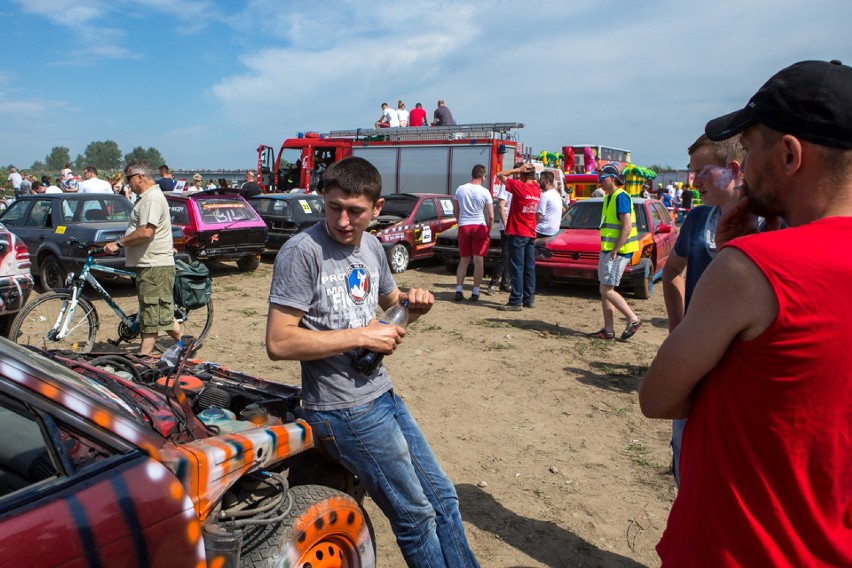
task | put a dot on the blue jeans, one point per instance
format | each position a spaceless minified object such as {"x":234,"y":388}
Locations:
{"x":677,"y":442}
{"x":381,"y":443}
{"x":522,"y":269}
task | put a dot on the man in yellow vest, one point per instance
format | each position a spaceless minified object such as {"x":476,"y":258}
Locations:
{"x":619,"y":241}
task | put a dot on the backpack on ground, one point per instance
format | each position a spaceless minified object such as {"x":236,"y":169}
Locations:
{"x":192,"y":284}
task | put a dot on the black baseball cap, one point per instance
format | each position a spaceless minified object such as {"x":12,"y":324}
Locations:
{"x":811,"y":100}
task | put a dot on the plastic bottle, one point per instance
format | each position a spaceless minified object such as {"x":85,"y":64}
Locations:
{"x":367,"y":361}
{"x":172,"y":354}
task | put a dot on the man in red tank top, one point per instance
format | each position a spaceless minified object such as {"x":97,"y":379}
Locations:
{"x":766,"y":468}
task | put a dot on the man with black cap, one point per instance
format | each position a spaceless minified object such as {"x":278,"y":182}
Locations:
{"x":761,"y":362}
{"x":619,"y":240}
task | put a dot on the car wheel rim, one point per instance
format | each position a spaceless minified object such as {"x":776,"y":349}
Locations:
{"x":399,"y":259}
{"x":324,"y":554}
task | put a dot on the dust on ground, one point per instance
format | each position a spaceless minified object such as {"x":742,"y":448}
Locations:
{"x":537,"y":426}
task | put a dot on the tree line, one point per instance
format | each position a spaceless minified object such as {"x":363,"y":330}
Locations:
{"x":104,"y":155}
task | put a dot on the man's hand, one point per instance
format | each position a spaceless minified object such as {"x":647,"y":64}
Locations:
{"x":419,"y":301}
{"x":735,"y":222}
{"x":382,"y":337}
{"x":111,"y":247}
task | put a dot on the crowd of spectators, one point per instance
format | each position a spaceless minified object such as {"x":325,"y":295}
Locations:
{"x":91,"y":181}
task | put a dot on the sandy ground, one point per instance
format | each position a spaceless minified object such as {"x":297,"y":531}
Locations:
{"x":537,"y":425}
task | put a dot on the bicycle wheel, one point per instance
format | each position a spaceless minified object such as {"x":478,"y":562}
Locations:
{"x":192,"y":322}
{"x":33,"y":324}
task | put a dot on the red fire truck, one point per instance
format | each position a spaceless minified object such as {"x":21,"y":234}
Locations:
{"x":434,"y":159}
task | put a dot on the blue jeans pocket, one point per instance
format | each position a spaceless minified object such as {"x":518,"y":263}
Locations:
{"x":361,"y":410}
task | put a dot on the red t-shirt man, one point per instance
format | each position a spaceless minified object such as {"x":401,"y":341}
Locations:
{"x":525,"y":197}
{"x":417,"y":117}
{"x":766,"y":465}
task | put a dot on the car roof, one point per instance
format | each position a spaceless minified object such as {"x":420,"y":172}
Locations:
{"x":286,"y":196}
{"x":213,"y":193}
{"x":634,"y":198}
{"x":73,"y":196}
{"x":411,"y":196}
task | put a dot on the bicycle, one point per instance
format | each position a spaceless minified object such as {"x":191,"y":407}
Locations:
{"x":65,"y":319}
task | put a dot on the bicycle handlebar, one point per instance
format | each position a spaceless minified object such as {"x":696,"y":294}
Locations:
{"x":90,"y":248}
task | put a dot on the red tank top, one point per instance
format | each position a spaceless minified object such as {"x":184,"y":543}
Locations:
{"x":766,"y":464}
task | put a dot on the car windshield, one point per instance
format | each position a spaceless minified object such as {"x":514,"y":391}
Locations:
{"x":399,"y":205}
{"x":224,"y":210}
{"x":583,"y":215}
{"x":59,"y":372}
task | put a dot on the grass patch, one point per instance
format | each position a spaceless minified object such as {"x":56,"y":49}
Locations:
{"x":498,"y":347}
{"x":638,"y":455}
{"x":493,"y":323}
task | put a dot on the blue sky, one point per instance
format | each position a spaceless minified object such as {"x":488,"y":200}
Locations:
{"x":205,"y":82}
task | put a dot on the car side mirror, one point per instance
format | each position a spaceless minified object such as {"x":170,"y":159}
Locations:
{"x":662,"y":229}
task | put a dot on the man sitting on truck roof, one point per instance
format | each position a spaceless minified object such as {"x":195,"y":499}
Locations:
{"x":388,"y":119}
{"x":443,"y":115}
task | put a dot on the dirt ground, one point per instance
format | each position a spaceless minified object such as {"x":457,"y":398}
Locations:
{"x":538,"y":426}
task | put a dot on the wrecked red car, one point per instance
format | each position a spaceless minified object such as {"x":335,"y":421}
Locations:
{"x":106,"y":457}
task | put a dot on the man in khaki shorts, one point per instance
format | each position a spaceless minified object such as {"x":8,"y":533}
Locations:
{"x":150,"y":250}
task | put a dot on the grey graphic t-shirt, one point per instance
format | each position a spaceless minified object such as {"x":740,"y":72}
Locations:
{"x":338,"y":287}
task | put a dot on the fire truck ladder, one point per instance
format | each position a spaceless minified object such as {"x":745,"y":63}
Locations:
{"x":485,"y":130}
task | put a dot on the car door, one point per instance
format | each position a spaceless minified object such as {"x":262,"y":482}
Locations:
{"x":665,"y":241}
{"x":77,"y":501}
{"x":445,"y":208}
{"x":427,"y":225}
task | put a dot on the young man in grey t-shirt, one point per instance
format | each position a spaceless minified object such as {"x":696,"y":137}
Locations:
{"x":326,"y":287}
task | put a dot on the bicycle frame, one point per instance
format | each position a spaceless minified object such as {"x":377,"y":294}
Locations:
{"x":76,"y":285}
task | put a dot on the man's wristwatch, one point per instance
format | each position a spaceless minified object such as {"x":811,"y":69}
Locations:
{"x":118,"y":244}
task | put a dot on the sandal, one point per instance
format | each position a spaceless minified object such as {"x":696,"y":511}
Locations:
{"x":602,"y":334}
{"x":631,"y":329}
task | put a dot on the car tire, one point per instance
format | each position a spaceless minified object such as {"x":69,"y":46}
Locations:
{"x":249,"y":263}
{"x":644,"y":286}
{"x":452,"y":267}
{"x":398,"y":258}
{"x":51,"y":274}
{"x":321,"y":521}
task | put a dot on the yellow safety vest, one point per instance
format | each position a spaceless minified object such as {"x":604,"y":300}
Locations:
{"x":611,"y":225}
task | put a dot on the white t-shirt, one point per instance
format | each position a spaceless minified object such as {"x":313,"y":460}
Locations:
{"x":402,"y":116}
{"x":16,"y":180}
{"x":550,"y":207}
{"x":472,"y":200}
{"x":503,"y":195}
{"x":52,"y":189}
{"x":390,"y":116}
{"x":95,"y":185}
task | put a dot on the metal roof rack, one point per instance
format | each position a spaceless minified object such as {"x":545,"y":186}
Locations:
{"x":485,"y":130}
